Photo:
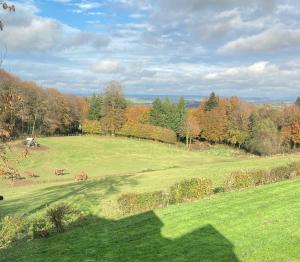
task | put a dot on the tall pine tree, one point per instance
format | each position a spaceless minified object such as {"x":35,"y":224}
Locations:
{"x":212,"y":102}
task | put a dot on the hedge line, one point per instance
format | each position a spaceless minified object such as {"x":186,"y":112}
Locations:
{"x":199,"y":188}
{"x":147,"y":131}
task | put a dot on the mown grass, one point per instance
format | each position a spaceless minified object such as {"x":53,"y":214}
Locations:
{"x":115,"y":166}
{"x":260,"y":224}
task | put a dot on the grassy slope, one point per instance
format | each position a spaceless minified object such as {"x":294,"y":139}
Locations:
{"x":116,"y":165}
{"x":261,"y":224}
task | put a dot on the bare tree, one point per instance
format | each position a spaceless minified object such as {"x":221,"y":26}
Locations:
{"x":4,"y":5}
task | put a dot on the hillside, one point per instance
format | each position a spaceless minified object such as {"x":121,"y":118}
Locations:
{"x":260,"y":224}
{"x":115,"y":166}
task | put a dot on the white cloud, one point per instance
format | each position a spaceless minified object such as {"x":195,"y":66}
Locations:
{"x":273,"y":39}
{"x":107,"y":66}
{"x":258,"y":69}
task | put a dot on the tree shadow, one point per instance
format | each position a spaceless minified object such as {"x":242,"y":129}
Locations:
{"x":135,"y":238}
{"x":41,"y":198}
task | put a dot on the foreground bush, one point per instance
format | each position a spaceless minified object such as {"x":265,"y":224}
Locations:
{"x":40,"y":226}
{"x":196,"y":188}
{"x":239,"y":180}
{"x":131,"y":203}
{"x":281,"y":172}
{"x":147,"y":131}
{"x":245,"y":179}
{"x":59,"y":215}
{"x":12,"y":229}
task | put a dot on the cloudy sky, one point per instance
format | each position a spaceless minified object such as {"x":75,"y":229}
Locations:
{"x":234,"y":47}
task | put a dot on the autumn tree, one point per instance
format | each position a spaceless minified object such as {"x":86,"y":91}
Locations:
{"x":190,"y":129}
{"x":239,"y":113}
{"x":113,"y":108}
{"x":213,"y":123}
{"x":137,"y":114}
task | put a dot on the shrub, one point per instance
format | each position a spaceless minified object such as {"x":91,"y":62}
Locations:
{"x":196,"y":188}
{"x":295,"y":166}
{"x":264,"y":138}
{"x":58,"y":215}
{"x":81,"y":177}
{"x":260,"y":177}
{"x":12,"y":229}
{"x":281,"y":173}
{"x":40,"y":226}
{"x":91,"y":127}
{"x":147,"y":131}
{"x":239,"y":180}
{"x":133,"y":203}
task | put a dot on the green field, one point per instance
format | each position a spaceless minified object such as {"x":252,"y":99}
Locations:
{"x":261,"y":224}
{"x":116,"y":165}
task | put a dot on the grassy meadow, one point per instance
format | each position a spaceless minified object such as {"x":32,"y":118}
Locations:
{"x":115,"y":166}
{"x":260,"y":224}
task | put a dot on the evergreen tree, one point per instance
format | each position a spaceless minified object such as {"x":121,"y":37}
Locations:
{"x":212,"y":102}
{"x":157,"y":113}
{"x":297,"y":103}
{"x":94,"y":111}
{"x":168,"y":114}
{"x":181,"y":114}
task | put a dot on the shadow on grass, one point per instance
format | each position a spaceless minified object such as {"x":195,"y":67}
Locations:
{"x":41,"y":198}
{"x":135,"y":238}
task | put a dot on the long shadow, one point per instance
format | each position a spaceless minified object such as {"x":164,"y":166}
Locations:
{"x":135,"y":238}
{"x":41,"y":198}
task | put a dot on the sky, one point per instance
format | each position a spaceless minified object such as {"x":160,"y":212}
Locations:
{"x":192,"y":47}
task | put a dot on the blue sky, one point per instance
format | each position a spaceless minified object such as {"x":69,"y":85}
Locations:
{"x":232,"y":47}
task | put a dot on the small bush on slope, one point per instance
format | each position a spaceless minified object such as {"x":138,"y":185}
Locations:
{"x":40,"y":226}
{"x":12,"y":229}
{"x":195,"y":188}
{"x":60,"y":215}
{"x":131,"y":203}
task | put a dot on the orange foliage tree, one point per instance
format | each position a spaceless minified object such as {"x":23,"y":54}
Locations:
{"x":137,"y":114}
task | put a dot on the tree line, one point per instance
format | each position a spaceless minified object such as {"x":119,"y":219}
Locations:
{"x":259,"y":129}
{"x":26,"y":108}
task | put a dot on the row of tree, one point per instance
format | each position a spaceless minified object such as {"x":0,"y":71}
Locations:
{"x":26,"y":108}
{"x":260,"y":129}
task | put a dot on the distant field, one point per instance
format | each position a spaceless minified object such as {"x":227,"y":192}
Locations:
{"x":115,"y":165}
{"x":261,"y":224}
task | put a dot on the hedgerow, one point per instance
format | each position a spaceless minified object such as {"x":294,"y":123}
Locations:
{"x":131,"y":203}
{"x":147,"y":131}
{"x":195,"y":188}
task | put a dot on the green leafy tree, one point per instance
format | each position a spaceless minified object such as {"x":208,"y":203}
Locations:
{"x":264,"y":138}
{"x":94,"y":111}
{"x":113,"y":108}
{"x":212,"y":102}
